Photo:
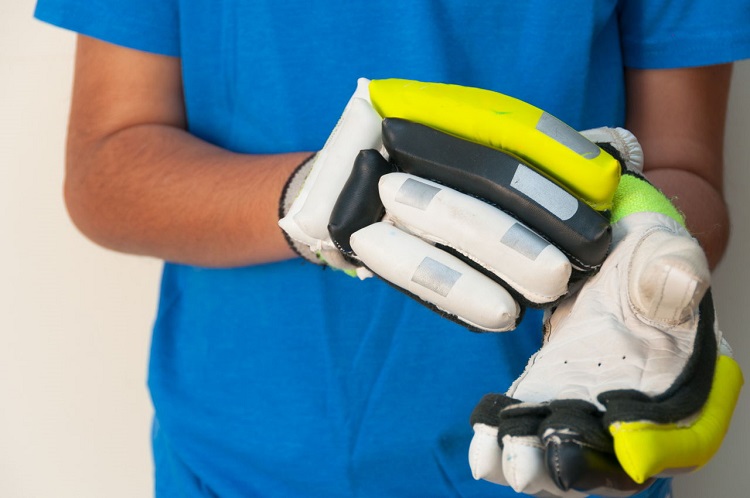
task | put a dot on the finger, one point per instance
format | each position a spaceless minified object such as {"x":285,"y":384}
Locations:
{"x":525,"y":469}
{"x":435,"y":277}
{"x":517,"y":455}
{"x":501,"y":245}
{"x":358,"y":129}
{"x":511,"y":456}
{"x":506,"y":123}
{"x":521,"y":457}
{"x":502,"y":180}
{"x":578,"y":451}
{"x":668,"y":276}
{"x":573,"y":454}
{"x":575,"y":467}
{"x":486,"y":456}
{"x":359,"y":202}
{"x":523,"y":465}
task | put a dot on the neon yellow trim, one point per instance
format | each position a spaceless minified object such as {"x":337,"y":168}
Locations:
{"x":645,"y":449}
{"x":505,"y":123}
{"x":634,"y":195}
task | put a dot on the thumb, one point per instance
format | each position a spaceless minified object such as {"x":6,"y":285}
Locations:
{"x":668,"y":276}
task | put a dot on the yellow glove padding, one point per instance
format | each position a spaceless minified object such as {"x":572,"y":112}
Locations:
{"x":505,"y":123}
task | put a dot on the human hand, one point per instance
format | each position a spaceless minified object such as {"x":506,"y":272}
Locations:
{"x":430,"y":238}
{"x":633,"y":380}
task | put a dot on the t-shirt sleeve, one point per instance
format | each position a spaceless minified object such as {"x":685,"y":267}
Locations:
{"x":148,"y":25}
{"x":666,"y":34}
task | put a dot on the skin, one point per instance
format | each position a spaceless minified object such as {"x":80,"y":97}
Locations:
{"x":679,"y":118}
{"x":137,"y":182}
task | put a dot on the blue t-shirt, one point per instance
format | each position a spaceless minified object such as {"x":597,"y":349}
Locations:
{"x":289,"y":380}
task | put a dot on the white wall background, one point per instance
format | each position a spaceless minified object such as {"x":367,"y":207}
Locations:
{"x":75,"y":319}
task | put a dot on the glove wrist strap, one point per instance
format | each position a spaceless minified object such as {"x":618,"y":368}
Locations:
{"x":635,"y":194}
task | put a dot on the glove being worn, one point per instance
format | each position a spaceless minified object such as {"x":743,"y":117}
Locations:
{"x":420,"y":220}
{"x":311,"y":191}
{"x":633,"y":380}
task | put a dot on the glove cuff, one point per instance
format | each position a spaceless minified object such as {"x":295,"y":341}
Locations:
{"x":291,"y":190}
{"x":635,"y":194}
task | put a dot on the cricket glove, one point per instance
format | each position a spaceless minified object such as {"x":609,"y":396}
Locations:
{"x":438,"y":189}
{"x":633,"y":380}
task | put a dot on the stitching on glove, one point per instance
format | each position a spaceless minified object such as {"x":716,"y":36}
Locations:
{"x":528,"y":441}
{"x":579,"y":421}
{"x":686,"y":395}
{"x":638,"y":311}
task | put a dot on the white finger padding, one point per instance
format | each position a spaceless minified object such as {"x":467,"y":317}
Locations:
{"x":435,"y":276}
{"x":484,"y":234}
{"x":485,"y":455}
{"x":525,"y":470}
{"x":668,"y":275}
{"x":357,"y":129}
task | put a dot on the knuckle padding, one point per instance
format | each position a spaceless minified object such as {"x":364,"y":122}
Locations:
{"x":581,"y":420}
{"x":488,"y":174}
{"x":573,"y":466}
{"x":358,"y":204}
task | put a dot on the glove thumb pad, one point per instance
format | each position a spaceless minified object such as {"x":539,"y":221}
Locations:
{"x":668,"y":273}
{"x":668,"y":276}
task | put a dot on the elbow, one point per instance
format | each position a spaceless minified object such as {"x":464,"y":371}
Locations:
{"x":82,"y":207}
{"x":89,"y":207}
{"x":75,"y":203}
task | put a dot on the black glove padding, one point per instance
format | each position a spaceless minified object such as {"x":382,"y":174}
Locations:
{"x":455,"y":224}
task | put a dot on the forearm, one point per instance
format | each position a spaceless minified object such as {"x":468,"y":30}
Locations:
{"x":704,"y":208}
{"x":679,"y":118}
{"x":157,"y":190}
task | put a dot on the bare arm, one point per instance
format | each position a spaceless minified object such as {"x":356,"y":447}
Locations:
{"x":679,"y":116}
{"x":137,"y":182}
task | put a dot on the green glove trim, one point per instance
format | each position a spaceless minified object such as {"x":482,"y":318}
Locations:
{"x":636,"y":195}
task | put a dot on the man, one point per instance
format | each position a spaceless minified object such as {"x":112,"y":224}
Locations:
{"x":269,"y":375}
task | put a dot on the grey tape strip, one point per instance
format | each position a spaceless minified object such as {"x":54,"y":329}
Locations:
{"x":561,"y":132}
{"x":524,"y":241}
{"x":544,"y":192}
{"x":435,"y":276}
{"x":416,"y":194}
